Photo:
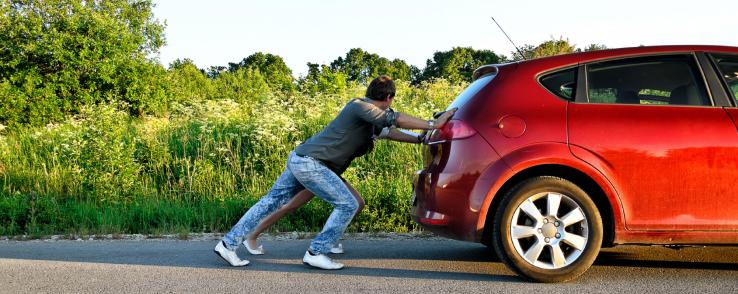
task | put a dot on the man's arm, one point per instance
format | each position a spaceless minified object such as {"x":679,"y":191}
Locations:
{"x":403,"y":136}
{"x":406,"y":121}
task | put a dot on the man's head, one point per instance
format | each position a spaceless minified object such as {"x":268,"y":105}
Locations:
{"x":381,"y":89}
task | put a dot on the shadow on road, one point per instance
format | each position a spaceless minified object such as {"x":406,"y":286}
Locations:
{"x":707,"y":259}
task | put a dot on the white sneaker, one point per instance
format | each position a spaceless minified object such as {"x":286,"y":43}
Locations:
{"x":229,"y":255}
{"x":258,"y":251}
{"x":337,"y":249}
{"x":321,"y":261}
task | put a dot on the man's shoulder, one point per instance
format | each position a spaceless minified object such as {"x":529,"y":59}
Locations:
{"x":358,"y":100}
{"x":356,"y":104}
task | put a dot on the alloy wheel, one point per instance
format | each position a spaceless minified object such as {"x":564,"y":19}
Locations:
{"x":549,"y":230}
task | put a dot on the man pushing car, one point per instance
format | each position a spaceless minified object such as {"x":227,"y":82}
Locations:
{"x":317,"y":165}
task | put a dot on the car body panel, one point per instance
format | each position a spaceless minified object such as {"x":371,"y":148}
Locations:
{"x":442,"y":189}
{"x":660,"y":158}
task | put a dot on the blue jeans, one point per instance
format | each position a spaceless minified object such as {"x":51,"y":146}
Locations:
{"x":302,"y":173}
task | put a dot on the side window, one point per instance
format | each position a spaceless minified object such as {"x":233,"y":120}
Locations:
{"x":728,"y":66}
{"x":665,"y":80}
{"x":562,"y":83}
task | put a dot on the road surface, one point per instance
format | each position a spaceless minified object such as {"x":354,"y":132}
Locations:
{"x":374,"y":266}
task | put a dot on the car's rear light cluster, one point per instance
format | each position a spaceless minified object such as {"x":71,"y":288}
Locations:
{"x":452,"y":130}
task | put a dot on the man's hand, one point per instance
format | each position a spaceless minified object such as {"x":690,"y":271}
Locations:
{"x":445,"y":116}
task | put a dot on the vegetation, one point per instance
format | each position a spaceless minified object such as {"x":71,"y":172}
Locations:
{"x":60,"y":55}
{"x":552,"y":47}
{"x":96,"y":137}
{"x":196,"y":168}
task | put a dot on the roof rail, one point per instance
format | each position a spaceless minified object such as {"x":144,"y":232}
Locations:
{"x":484,"y":70}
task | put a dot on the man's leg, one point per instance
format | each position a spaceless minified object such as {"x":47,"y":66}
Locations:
{"x":281,"y":192}
{"x":326,"y":185}
{"x":297,"y":201}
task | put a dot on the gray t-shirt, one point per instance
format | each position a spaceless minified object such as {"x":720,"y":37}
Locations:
{"x":349,"y":135}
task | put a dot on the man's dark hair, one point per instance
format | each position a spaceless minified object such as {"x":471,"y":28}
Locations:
{"x":380,"y":87}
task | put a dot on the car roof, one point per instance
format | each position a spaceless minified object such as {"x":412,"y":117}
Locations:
{"x":583,"y":57}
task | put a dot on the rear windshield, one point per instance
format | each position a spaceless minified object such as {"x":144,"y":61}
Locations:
{"x":470,"y":91}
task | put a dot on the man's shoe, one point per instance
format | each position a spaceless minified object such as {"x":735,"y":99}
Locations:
{"x":258,"y":251}
{"x":228,"y":255}
{"x":338,"y":249}
{"x":321,"y":261}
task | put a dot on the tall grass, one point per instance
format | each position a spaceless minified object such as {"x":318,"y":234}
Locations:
{"x":196,"y":169}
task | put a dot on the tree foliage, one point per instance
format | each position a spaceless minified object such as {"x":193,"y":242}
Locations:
{"x":551,"y":48}
{"x":593,"y":47}
{"x":60,"y":54}
{"x":57,"y":56}
{"x":188,"y":83}
{"x":272,"y":67}
{"x":243,"y":84}
{"x":359,"y":65}
{"x":457,"y":64}
{"x":323,"y":79}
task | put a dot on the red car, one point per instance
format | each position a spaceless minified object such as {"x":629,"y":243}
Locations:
{"x":550,"y":159}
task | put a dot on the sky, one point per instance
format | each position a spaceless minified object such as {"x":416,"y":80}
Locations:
{"x":216,"y":32}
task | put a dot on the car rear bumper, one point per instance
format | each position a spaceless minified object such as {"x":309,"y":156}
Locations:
{"x":442,"y":191}
{"x":444,"y":209}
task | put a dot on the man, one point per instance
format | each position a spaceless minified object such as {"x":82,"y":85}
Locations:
{"x":317,"y":163}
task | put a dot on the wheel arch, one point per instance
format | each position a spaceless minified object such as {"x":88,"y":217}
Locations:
{"x":581,"y":179}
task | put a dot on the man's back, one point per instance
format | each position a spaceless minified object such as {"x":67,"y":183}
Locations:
{"x":348,"y":136}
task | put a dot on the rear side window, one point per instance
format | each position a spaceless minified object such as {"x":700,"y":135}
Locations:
{"x":660,"y":80}
{"x":728,"y":66}
{"x":561,"y":83}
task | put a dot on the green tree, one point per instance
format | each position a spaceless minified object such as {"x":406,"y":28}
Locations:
{"x":360,"y":66}
{"x":215,"y":70}
{"x":593,"y":47}
{"x":242,"y":85}
{"x":551,"y":48}
{"x":58,"y":55}
{"x":457,"y":64}
{"x":187,"y":82}
{"x":272,"y":67}
{"x":322,"y":79}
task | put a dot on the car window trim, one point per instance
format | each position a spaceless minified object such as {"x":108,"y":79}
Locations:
{"x":720,"y":79}
{"x":696,"y":60}
{"x":585,"y":80}
{"x":582,"y":85}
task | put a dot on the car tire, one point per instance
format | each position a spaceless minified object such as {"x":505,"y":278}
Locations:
{"x":547,"y":246}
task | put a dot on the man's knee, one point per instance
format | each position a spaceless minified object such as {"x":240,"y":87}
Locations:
{"x":351,"y":205}
{"x":361,"y":204}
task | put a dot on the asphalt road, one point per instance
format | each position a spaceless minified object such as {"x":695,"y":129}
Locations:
{"x":382,"y":266}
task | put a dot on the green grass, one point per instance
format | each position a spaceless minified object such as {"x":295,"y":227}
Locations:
{"x":196,"y":169}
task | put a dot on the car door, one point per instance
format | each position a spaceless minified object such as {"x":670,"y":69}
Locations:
{"x":649,"y":124}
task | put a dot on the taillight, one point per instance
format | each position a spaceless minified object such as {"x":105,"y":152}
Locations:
{"x":452,"y":130}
